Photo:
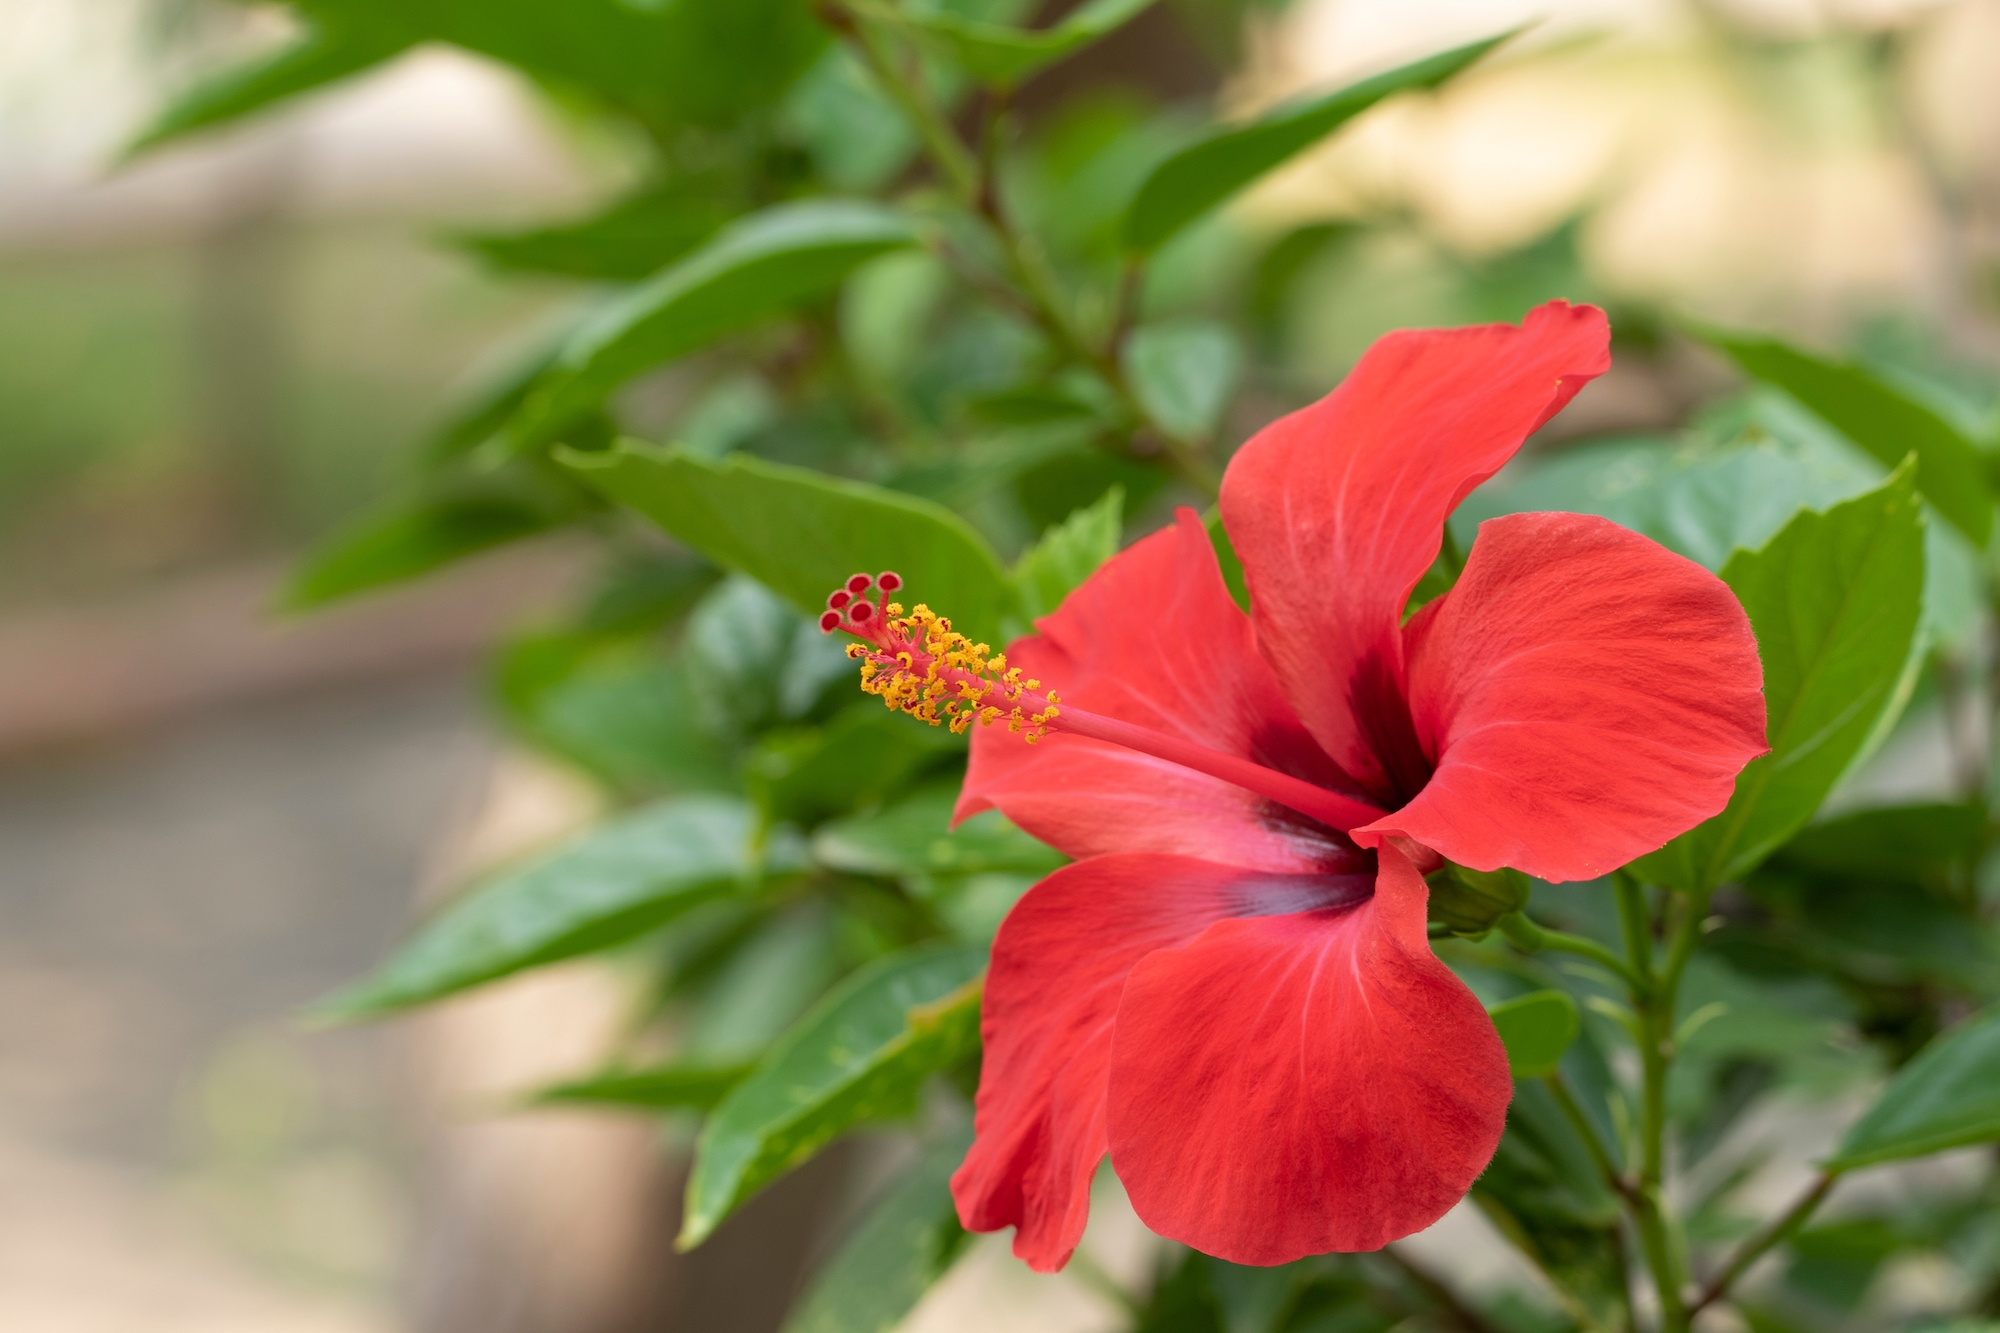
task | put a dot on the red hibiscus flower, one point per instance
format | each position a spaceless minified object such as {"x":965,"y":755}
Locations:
{"x":1231,"y":990}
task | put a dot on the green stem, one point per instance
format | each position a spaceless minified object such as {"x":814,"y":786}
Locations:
{"x":1533,"y":939}
{"x":1654,"y":1009}
{"x":972,"y":178}
{"x":946,"y":149}
{"x":1754,"y":1248}
{"x":1559,"y":1088}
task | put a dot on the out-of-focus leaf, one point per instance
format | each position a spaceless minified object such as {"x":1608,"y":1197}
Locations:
{"x":762,"y":983}
{"x":1835,"y":1264}
{"x":861,"y":1054}
{"x":754,"y":269}
{"x":632,"y":239}
{"x":866,"y":754}
{"x":497,"y":389}
{"x":1883,"y":420}
{"x":1908,"y":844}
{"x":1184,"y":374}
{"x":1536,"y":1029}
{"x":1835,"y":600}
{"x":1003,"y":56}
{"x":915,"y":837}
{"x":801,"y":533}
{"x":1068,"y":554}
{"x":616,"y":882}
{"x":403,"y":542}
{"x":857,"y":137}
{"x":324,"y":55}
{"x":905,"y":1244}
{"x":627,"y":715}
{"x":1948,"y":1096}
{"x":1203,"y":175}
{"x":672,"y":1087}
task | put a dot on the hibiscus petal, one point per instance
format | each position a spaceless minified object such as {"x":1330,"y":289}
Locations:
{"x":1059,"y":964}
{"x":1337,"y":510}
{"x":1153,"y":638}
{"x":1587,"y":695}
{"x":1292,"y":1085}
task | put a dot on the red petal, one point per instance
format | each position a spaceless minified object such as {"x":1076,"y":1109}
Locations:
{"x":1291,"y":1085}
{"x":1059,"y":965}
{"x":1587,"y":694}
{"x":1337,"y":510}
{"x":1153,"y":638}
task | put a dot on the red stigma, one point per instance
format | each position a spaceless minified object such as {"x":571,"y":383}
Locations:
{"x":829,"y":621}
{"x":838,"y":598}
{"x":858,"y":583}
{"x":860,"y":612}
{"x":889,"y":580}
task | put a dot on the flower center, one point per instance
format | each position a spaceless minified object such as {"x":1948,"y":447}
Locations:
{"x":918,"y":664}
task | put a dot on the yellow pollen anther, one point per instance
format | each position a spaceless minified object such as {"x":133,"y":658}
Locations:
{"x":916,"y":663}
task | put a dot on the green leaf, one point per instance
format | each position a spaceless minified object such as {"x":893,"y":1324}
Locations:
{"x":1536,"y":1029}
{"x":915,"y":837}
{"x":632,"y":239}
{"x":412,"y":539}
{"x":861,"y":1054}
{"x":761,"y":266}
{"x":1696,"y":500}
{"x":618,"y":881}
{"x":1885,"y":421}
{"x":321,"y":57}
{"x":802,"y":533}
{"x":865,"y":755}
{"x":906,"y":1243}
{"x":1003,"y":56}
{"x":1911,"y":844}
{"x":1184,"y":374}
{"x":1203,"y":175}
{"x":1068,"y":554}
{"x":696,"y":1087}
{"x":1835,"y":600}
{"x":1946,"y":1097}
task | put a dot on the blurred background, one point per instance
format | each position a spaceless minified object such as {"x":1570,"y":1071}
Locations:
{"x":210,"y":814}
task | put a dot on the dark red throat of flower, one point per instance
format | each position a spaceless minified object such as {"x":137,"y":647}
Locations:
{"x":916,"y":663}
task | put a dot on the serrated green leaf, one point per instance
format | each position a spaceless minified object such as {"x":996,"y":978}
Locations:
{"x":1068,"y":554}
{"x":1947,"y":1097}
{"x":915,"y":837}
{"x":905,"y":1244}
{"x":1885,"y":421}
{"x":1201,"y":176}
{"x":413,"y":539}
{"x":673,"y":1087}
{"x":618,"y":881}
{"x":1184,"y":374}
{"x":1701,"y":502}
{"x":321,"y":57}
{"x":1536,"y":1029}
{"x":861,"y":1054}
{"x":801,"y":533}
{"x":1003,"y":56}
{"x":754,"y":269}
{"x":1835,"y":600}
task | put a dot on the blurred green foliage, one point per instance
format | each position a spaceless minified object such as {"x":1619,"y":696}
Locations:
{"x":916,"y":315}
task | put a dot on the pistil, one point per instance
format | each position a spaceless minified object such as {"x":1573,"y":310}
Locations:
{"x":917,"y":664}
